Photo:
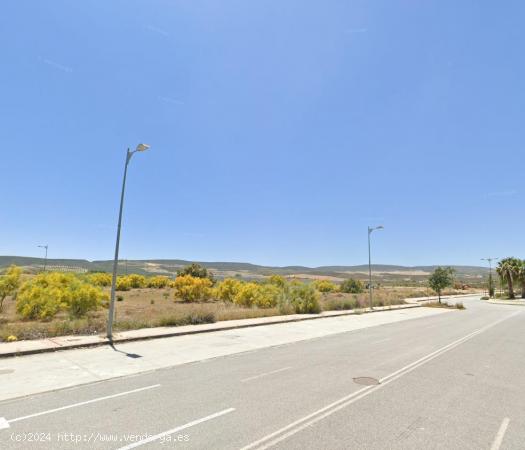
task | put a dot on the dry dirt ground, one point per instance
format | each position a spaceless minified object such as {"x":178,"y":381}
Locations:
{"x":140,"y":308}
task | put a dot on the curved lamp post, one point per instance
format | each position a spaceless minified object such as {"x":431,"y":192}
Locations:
{"x":111,"y":314}
{"x":370,"y":231}
{"x":489,"y":260}
{"x":45,"y":257}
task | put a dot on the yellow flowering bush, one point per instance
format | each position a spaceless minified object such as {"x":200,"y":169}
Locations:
{"x":325,"y":286}
{"x":50,"y":292}
{"x":277,"y":280}
{"x":227,"y":289}
{"x":192,"y":289}
{"x":123,"y":283}
{"x":9,"y":283}
{"x":136,"y":281}
{"x":158,"y":282}
{"x":253,"y":294}
{"x":102,"y":279}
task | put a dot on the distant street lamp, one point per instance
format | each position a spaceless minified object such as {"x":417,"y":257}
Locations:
{"x":491,"y":289}
{"x":45,"y":258}
{"x":129,"y":154}
{"x":370,"y":231}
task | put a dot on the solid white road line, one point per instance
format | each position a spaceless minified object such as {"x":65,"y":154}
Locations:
{"x":265,"y":374}
{"x":74,"y":405}
{"x":3,"y":423}
{"x":501,"y":433}
{"x":306,"y":421}
{"x":175,"y":430}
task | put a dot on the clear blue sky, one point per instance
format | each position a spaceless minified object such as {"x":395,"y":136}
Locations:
{"x":279,"y":129}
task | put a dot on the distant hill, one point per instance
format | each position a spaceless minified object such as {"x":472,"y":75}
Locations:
{"x":387,"y":273}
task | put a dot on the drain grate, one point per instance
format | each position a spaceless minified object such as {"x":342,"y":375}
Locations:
{"x":366,"y":381}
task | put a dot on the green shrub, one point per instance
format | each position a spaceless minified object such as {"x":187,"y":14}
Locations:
{"x":304,"y":299}
{"x":351,"y":286}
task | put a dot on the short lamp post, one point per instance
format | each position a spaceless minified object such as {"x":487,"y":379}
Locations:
{"x":111,"y":314}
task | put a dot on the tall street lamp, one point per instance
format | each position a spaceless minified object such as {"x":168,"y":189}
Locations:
{"x":45,"y":258}
{"x":129,"y":154}
{"x":489,"y":260}
{"x":370,"y":231}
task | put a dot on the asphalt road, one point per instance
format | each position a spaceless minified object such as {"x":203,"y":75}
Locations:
{"x":453,"y":380}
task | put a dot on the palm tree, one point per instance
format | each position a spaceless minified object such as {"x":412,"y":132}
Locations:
{"x":508,"y":269}
{"x":521,"y":277}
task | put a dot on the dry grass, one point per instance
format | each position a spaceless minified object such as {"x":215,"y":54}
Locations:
{"x":443,"y":304}
{"x":382,"y":297}
{"x":144,"y":308}
{"x":138,"y":308}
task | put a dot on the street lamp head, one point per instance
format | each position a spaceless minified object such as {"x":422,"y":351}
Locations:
{"x":142,"y":147}
{"x":380,"y":227}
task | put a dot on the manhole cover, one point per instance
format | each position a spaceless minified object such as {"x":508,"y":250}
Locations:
{"x":6,"y":371}
{"x":366,"y":381}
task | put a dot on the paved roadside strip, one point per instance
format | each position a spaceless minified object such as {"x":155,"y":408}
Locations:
{"x":507,"y":302}
{"x":32,"y":374}
{"x":29,"y":347}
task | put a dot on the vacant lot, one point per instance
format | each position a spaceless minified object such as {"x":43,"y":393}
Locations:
{"x":142,"y":308}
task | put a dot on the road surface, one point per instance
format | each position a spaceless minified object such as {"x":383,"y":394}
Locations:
{"x":454,"y":380}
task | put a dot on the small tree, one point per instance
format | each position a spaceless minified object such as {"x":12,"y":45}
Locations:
{"x":9,"y":283}
{"x":442,"y":278}
{"x":196,"y":271}
{"x":351,"y":286}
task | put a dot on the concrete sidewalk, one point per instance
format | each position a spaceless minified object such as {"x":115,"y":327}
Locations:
{"x":19,"y":348}
{"x":29,"y":347}
{"x":50,"y":371}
